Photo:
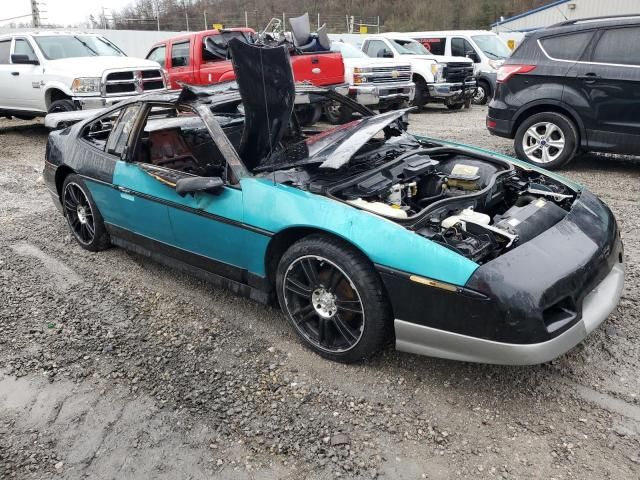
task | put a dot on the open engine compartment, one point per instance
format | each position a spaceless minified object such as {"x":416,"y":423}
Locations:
{"x":480,"y":207}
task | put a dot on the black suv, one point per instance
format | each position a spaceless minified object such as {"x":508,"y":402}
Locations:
{"x":574,"y":86}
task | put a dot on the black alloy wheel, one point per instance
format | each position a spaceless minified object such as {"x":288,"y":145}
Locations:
{"x":82,"y":215}
{"x":324,"y":304}
{"x":333,"y":298}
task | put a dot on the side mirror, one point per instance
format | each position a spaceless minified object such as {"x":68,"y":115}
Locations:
{"x":20,"y":59}
{"x":387,"y":53}
{"x":199,"y":184}
{"x":471,"y":54}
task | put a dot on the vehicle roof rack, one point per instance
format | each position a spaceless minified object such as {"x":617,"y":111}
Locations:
{"x":593,"y":19}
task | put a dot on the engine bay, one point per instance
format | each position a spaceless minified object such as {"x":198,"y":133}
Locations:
{"x":480,"y":207}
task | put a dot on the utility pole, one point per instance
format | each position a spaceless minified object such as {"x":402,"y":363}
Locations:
{"x":35,"y":14}
{"x":186,"y":14}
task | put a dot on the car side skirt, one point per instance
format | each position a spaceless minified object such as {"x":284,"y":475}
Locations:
{"x":235,"y":279}
{"x":423,"y":340}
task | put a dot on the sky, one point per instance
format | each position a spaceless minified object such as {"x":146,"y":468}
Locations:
{"x":63,"y":12}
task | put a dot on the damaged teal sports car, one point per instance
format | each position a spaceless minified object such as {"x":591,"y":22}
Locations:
{"x":364,"y":234}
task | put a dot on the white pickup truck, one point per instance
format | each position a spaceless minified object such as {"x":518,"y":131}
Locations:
{"x":448,"y":80}
{"x":379,"y":83}
{"x":46,"y":72}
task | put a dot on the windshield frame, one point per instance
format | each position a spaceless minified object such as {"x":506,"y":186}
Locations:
{"x":81,"y":39}
{"x":489,"y":50}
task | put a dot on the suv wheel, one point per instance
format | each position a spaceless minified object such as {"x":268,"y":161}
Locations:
{"x":547,"y":139}
{"x":65,"y":105}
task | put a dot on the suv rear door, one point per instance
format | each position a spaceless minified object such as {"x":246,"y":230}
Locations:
{"x":608,"y":79}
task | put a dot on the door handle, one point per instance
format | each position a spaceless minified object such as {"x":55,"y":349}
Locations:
{"x":15,"y":74}
{"x":590,"y":77}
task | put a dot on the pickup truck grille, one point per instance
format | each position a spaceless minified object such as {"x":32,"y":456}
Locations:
{"x":386,"y":74}
{"x":132,"y":82}
{"x":457,"y":72}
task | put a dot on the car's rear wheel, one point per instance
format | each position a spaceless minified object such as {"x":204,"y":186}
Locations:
{"x":547,"y":139}
{"x":337,"y":114}
{"x":308,"y":114}
{"x":82,"y":215}
{"x":333,"y":298}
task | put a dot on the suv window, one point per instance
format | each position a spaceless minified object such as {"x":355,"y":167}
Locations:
{"x":23,"y":47}
{"x":158,"y":54}
{"x":460,"y":47}
{"x":619,"y":45}
{"x":180,"y":54}
{"x":566,"y":47}
{"x":434,"y":45}
{"x":5,"y":46}
{"x":375,"y":48}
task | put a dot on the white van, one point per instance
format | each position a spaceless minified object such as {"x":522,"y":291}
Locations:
{"x":485,"y":48}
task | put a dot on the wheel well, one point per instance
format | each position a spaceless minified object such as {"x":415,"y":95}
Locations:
{"x":281,"y":241}
{"x":54,"y":94}
{"x":486,"y":84}
{"x":61,"y":174}
{"x":417,"y":76}
{"x":546,"y":108}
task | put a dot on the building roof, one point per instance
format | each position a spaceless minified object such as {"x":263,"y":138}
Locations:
{"x":530,"y":12}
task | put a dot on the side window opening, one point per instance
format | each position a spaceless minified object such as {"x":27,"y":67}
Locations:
{"x":5,"y":47}
{"x":457,"y":47}
{"x":110,"y":133}
{"x":566,"y":47}
{"x":158,"y":54}
{"x":176,"y":141}
{"x":434,"y":45}
{"x":618,"y":46}
{"x":180,"y":54}
{"x":23,"y":47}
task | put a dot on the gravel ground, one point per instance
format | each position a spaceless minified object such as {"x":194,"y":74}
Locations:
{"x":112,"y":366}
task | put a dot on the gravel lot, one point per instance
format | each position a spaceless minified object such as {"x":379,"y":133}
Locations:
{"x":112,"y":366}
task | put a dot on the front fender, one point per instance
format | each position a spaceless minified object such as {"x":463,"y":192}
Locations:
{"x":276,"y":207}
{"x":55,"y":85}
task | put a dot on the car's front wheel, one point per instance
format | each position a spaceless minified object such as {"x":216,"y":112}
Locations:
{"x":337,"y":114}
{"x":82,"y":215}
{"x":483,"y":94}
{"x":547,"y":139}
{"x":334,"y":299}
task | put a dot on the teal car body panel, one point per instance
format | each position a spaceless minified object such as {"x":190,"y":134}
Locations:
{"x":196,"y":223}
{"x":276,"y":207}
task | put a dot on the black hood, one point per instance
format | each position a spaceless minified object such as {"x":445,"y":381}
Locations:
{"x":267,"y":89}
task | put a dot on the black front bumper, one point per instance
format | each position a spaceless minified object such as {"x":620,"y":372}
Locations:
{"x":530,"y":295}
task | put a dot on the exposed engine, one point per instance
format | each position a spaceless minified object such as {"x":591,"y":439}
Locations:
{"x":479,"y":207}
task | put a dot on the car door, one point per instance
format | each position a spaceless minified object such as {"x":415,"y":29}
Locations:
{"x":208,"y":230}
{"x":608,"y":79}
{"x":127,"y":198}
{"x":6,"y":79}
{"x":181,"y":66}
{"x":26,"y":79}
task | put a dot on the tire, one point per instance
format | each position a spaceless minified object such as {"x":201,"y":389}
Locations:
{"x":483,"y":94}
{"x":337,"y":114}
{"x":557,"y":140}
{"x":308,"y":114}
{"x":82,"y":214}
{"x":334,"y":299}
{"x":455,"y":106}
{"x":65,"y":105}
{"x":422,"y":93}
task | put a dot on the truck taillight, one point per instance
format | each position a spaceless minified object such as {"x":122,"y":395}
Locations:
{"x":507,"y":71}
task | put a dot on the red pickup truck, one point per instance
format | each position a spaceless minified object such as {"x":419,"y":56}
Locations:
{"x":200,"y":58}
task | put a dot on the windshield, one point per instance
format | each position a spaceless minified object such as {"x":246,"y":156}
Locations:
{"x":73,"y":46}
{"x":492,"y":46}
{"x":347,"y":51}
{"x":409,"y":47}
